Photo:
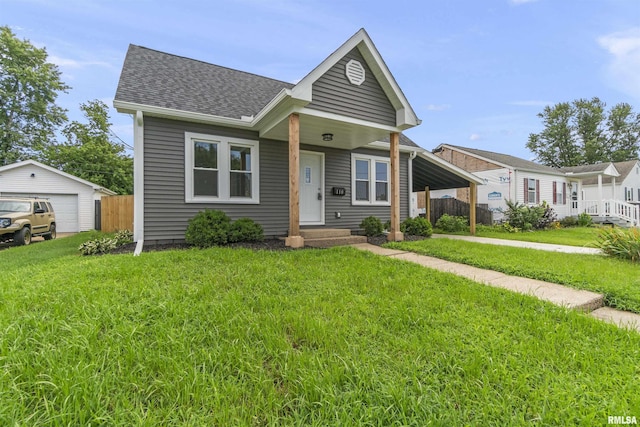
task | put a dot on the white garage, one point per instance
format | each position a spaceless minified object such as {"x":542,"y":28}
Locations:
{"x":73,"y":199}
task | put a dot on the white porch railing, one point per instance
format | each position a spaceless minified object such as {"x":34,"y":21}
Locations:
{"x":613,"y":208}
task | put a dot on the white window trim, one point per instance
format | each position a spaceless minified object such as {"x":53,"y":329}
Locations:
{"x":224,"y":166}
{"x":372,"y":180}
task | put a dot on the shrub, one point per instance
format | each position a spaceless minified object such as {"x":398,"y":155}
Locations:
{"x":123,"y":237}
{"x":417,"y":226}
{"x":569,"y":221}
{"x":620,"y":243}
{"x":451,"y":224}
{"x":245,"y":230}
{"x":387,"y":225}
{"x":372,"y":226}
{"x":106,"y":244}
{"x":526,"y":218}
{"x":208,"y":228}
{"x":585,"y":220}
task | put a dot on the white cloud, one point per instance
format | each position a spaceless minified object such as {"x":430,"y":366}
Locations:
{"x":516,"y":2}
{"x":623,"y":72}
{"x":73,"y":63}
{"x":438,"y":107}
{"x":475,"y":137}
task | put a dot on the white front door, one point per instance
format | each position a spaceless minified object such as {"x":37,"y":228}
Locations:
{"x":311,"y":188}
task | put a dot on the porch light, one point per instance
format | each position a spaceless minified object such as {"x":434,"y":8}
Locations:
{"x":327,"y":137}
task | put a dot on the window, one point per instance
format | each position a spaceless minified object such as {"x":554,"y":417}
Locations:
{"x":370,"y":180}
{"x":531,"y":191}
{"x":559,"y":193}
{"x":220,"y":169}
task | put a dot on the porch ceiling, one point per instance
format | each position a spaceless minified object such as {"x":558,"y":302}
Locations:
{"x":434,"y":176}
{"x":346,"y":136}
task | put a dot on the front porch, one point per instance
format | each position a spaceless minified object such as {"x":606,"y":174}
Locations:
{"x":611,"y":212}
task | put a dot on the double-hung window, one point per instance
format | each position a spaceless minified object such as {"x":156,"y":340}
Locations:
{"x":370,"y":180}
{"x":221,"y":169}
{"x":531,"y":191}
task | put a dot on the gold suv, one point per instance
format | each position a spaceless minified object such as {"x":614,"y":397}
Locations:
{"x":22,"y":219}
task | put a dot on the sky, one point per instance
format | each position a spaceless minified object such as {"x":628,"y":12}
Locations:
{"x":477,"y":72}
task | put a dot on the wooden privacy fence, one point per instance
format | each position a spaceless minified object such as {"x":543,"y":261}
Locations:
{"x":455,"y":207}
{"x":116,"y":213}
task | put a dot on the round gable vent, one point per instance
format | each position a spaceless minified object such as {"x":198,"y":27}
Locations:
{"x":355,"y":72}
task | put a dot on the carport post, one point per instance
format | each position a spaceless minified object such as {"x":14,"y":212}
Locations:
{"x":473,"y":201}
{"x":427,"y":203}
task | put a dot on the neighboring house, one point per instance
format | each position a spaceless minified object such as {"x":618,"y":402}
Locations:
{"x":508,"y":178}
{"x":625,"y":187}
{"x":323,"y":153}
{"x":73,"y":199}
{"x":604,"y":190}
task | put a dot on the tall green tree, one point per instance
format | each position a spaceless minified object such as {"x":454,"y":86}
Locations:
{"x":29,"y":86}
{"x":90,"y":152}
{"x":583,"y":132}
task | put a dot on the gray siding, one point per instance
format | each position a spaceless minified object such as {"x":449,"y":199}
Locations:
{"x":166,"y":213}
{"x":333,"y":93}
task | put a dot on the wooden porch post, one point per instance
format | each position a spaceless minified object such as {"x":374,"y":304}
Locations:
{"x":427,"y":203}
{"x":294,"y":239}
{"x":473,"y":201}
{"x":395,"y":235}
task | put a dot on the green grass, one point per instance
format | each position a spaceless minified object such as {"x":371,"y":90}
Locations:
{"x":618,"y":280}
{"x":574,"y":236}
{"x":224,"y":337}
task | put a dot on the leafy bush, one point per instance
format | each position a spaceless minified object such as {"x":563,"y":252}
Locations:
{"x":106,"y":244}
{"x":245,"y":230}
{"x":585,"y":220}
{"x":372,"y":226}
{"x":526,"y":218}
{"x":417,"y":226}
{"x":208,"y":228}
{"x":620,"y":243}
{"x":451,"y":224}
{"x":569,"y":221}
{"x":387,"y":225}
{"x":123,"y":237}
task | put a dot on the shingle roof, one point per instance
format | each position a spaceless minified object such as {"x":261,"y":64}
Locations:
{"x":404,"y":140}
{"x":623,"y":168}
{"x":160,"y":79}
{"x":506,"y":159}
{"x":597,"y":167}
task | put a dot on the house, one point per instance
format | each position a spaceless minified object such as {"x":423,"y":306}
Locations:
{"x":323,"y":153}
{"x":73,"y":199}
{"x":508,"y":177}
{"x":625,"y":186}
{"x":590,"y":189}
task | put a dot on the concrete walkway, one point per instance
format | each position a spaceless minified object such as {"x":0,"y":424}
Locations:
{"x":521,"y":244}
{"x":557,"y":294}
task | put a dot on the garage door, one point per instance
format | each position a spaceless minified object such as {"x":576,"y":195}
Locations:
{"x":64,"y":205}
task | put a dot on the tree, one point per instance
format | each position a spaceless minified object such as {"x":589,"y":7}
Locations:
{"x":90,"y":153}
{"x":29,"y":86}
{"x":583,"y":132}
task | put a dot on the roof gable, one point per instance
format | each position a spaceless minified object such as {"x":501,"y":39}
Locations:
{"x":17,"y":165}
{"x":333,"y":92}
{"x":405,"y":116}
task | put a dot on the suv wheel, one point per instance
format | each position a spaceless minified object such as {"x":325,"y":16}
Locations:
{"x":23,"y":237}
{"x":51,"y":234}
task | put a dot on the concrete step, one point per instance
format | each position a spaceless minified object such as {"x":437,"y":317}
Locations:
{"x":623,"y":319}
{"x":328,"y":242}
{"x":321,"y":233}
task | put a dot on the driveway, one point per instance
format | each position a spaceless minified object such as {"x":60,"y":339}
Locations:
{"x":35,"y":240}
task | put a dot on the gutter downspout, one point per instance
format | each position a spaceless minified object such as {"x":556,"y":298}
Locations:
{"x":138,"y":181}
{"x":412,"y":204}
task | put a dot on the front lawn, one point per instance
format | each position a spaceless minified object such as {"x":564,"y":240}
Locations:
{"x":574,"y":236}
{"x":618,"y":280}
{"x":312,"y":337}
